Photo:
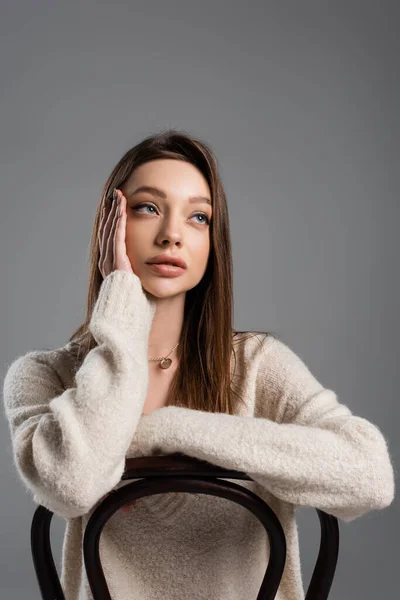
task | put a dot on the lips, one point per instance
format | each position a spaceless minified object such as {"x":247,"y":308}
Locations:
{"x":166,"y":270}
{"x":169,"y":264}
{"x":165,"y":259}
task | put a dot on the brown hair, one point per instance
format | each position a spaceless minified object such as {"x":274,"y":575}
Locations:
{"x":203,"y":379}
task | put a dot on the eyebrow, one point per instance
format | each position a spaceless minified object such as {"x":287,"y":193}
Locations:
{"x":161,"y":194}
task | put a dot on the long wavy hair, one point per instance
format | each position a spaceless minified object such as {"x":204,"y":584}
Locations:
{"x":203,"y":379}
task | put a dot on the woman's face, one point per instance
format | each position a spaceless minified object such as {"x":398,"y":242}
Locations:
{"x":167,"y":223}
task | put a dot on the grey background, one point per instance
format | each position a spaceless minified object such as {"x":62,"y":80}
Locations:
{"x":300,"y":102}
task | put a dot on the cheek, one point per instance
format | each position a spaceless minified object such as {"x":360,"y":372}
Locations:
{"x":134,"y":251}
{"x":201,"y":253}
{"x":134,"y":238}
{"x":205,"y":250}
{"x":201,"y":246}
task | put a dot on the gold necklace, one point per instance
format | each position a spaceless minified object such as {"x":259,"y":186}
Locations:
{"x":165,"y":362}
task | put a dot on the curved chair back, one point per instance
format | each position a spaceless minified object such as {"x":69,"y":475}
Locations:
{"x":181,"y":473}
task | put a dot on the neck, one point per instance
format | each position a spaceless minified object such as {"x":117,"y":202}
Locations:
{"x":166,"y":327}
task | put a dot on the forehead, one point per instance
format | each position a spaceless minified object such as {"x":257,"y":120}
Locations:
{"x":173,"y":177}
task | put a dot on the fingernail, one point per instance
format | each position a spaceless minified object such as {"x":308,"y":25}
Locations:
{"x":114,"y":193}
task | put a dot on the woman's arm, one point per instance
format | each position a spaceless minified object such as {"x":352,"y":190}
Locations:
{"x":320,"y":455}
{"x":69,"y":445}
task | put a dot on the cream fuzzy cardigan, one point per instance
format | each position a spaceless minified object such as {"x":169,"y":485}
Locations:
{"x":72,"y":427}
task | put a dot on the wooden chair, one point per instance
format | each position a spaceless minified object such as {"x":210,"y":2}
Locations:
{"x":181,"y":473}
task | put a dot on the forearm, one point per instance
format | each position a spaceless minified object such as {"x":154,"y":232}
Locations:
{"x":341,"y":467}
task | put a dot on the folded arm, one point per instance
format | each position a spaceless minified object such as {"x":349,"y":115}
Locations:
{"x":319,"y":455}
{"x":69,"y":445}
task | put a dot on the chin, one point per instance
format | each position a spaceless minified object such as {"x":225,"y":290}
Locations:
{"x":162,"y":291}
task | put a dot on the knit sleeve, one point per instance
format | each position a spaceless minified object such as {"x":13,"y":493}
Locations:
{"x":69,"y":445}
{"x":318,"y":455}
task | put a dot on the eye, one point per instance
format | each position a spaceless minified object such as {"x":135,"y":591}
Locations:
{"x":198,"y":214}
{"x":136,"y":208}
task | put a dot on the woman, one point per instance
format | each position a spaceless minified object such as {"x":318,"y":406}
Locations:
{"x":158,"y":368}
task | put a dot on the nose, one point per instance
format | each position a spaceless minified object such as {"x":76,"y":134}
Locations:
{"x":169,"y":233}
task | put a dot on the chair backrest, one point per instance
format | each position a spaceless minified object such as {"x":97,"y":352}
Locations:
{"x":181,"y":473}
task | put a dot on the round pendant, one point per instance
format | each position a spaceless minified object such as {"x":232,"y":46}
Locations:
{"x":165,"y":363}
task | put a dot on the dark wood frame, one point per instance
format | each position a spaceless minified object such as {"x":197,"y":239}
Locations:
{"x":181,"y":473}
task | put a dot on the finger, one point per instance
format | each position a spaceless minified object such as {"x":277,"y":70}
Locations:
{"x":119,"y":233}
{"x":103,"y":219}
{"x":110,"y":218}
{"x":107,"y":205}
{"x":106,"y":233}
{"x":110,"y":246}
{"x":101,"y":225}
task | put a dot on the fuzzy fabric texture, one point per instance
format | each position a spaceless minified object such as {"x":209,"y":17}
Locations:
{"x":73,"y":426}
